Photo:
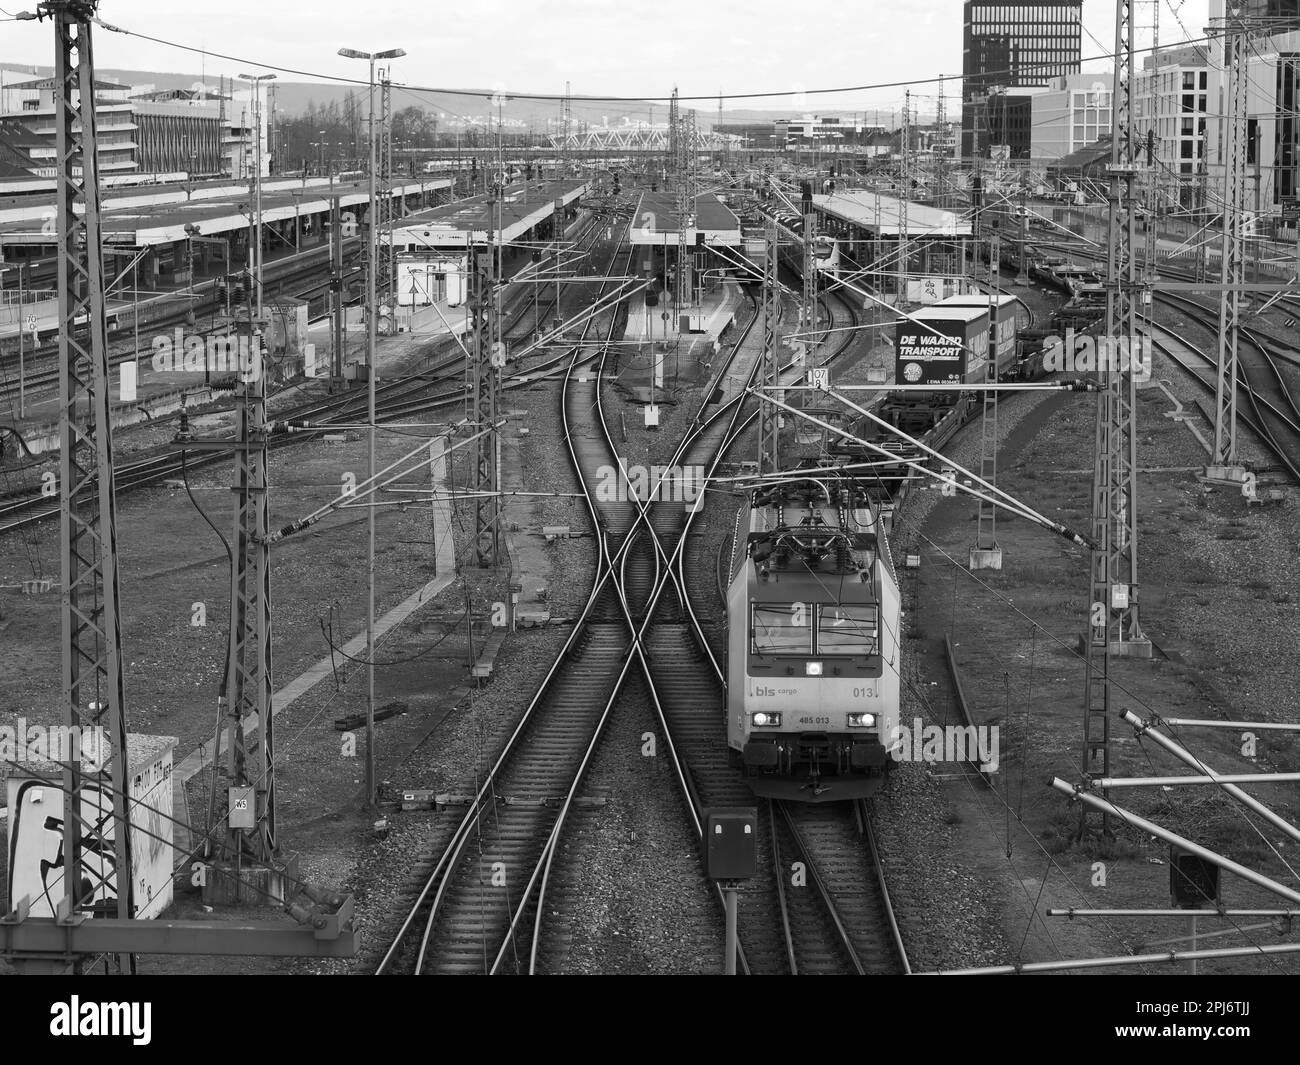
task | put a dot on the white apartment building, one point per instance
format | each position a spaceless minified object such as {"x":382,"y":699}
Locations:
{"x":1073,"y":112}
{"x":1176,"y":112}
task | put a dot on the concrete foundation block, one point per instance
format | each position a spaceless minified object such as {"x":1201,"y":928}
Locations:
{"x":249,"y":883}
{"x":986,"y":558}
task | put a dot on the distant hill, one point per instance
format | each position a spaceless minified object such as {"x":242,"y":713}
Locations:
{"x":293,"y":97}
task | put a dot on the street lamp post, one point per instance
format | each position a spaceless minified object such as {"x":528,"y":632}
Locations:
{"x":371,"y":315}
{"x":256,"y":260}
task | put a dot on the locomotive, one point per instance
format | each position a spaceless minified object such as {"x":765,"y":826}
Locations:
{"x":813,"y":643}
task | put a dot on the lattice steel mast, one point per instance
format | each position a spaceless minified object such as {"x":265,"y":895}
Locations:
{"x":986,"y":554}
{"x":769,"y":417}
{"x":249,"y":686}
{"x":940,"y":154}
{"x":488,"y":356}
{"x":1231,"y":267}
{"x":685,"y":167}
{"x":808,"y":315}
{"x":96,"y":871}
{"x":904,"y":192}
{"x":1113,"y":623}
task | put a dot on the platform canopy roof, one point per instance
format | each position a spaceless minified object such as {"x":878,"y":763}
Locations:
{"x":881,"y":214}
{"x":655,"y":221}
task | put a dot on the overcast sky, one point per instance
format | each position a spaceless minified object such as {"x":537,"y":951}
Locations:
{"x":600,"y":46}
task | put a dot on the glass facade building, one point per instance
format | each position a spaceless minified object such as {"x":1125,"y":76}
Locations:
{"x":1013,"y":45}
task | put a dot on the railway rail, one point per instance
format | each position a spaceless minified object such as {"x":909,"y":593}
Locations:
{"x":469,"y":905}
{"x":395,"y":400}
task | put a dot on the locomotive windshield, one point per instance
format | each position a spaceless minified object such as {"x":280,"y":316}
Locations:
{"x":848,"y":630}
{"x":781,"y":629}
{"x":821,"y":629}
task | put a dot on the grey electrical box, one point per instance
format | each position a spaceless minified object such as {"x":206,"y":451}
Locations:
{"x":1193,"y":881}
{"x":731,"y":842}
{"x":243,"y":807}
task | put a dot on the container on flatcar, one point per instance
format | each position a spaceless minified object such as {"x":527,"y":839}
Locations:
{"x":1005,"y":328}
{"x":941,"y":345}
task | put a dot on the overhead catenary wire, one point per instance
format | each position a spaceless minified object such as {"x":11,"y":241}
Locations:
{"x":490,"y":94}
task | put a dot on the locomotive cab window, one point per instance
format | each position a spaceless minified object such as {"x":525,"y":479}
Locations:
{"x":781,"y":629}
{"x":848,"y":630}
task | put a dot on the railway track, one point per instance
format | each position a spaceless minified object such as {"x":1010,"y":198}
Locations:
{"x":41,"y":369}
{"x":777,"y":929}
{"x":840,"y":918}
{"x":1271,"y":410}
{"x":483,"y":886}
{"x":395,"y":400}
{"x":489,"y":887}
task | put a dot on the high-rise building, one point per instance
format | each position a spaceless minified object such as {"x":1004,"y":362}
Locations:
{"x":1013,"y":45}
{"x":1278,"y":9}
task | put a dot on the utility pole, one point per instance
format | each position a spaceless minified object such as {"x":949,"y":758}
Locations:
{"x":685,"y":166}
{"x":940,"y":154}
{"x":96,"y":873}
{"x":372,"y":316}
{"x":986,"y":554}
{"x":486,"y":356}
{"x":566,"y":117}
{"x":336,"y":295}
{"x":1152,"y":216}
{"x":674,"y":132}
{"x":1113,"y":623}
{"x":770,"y":416}
{"x":808,"y":315}
{"x":1202,"y":202}
{"x":723,"y":159}
{"x":904,"y":192}
{"x":1231,"y":267}
{"x":249,"y":685}
{"x":255,"y":244}
{"x":386,"y":270}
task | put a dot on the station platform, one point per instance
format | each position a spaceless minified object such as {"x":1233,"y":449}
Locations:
{"x":161,"y":218}
{"x":655,"y":222}
{"x":473,"y":220}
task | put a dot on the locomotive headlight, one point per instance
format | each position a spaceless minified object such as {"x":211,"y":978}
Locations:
{"x":765,"y":719}
{"x":812,"y":669}
{"x":862,"y":720}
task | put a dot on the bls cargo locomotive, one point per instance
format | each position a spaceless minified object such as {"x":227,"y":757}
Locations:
{"x":813,"y":642}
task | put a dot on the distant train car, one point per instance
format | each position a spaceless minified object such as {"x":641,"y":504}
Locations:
{"x":813,"y":616}
{"x":826,"y":253}
{"x":1004,"y":329}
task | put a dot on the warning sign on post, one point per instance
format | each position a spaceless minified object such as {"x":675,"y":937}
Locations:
{"x":925,"y":355}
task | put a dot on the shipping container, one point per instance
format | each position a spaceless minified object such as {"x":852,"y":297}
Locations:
{"x":942,"y":345}
{"x":35,"y":797}
{"x":1005,"y":328}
